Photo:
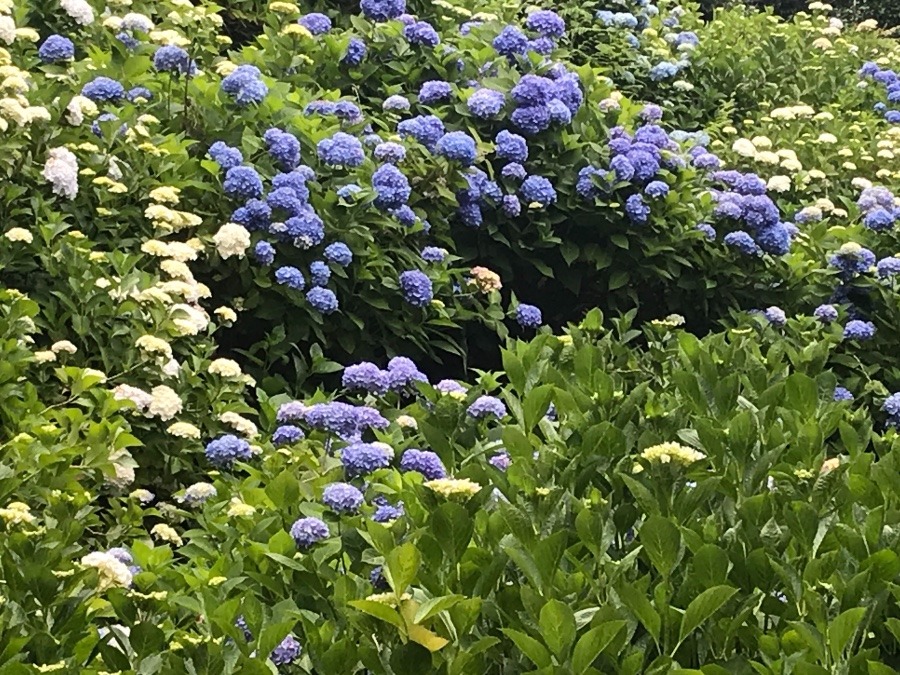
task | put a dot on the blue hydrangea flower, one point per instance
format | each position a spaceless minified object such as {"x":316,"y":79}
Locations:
{"x":264,"y":253}
{"x":97,"y":129}
{"x":421,"y":33}
{"x":416,"y":287}
{"x":537,"y":189}
{"x":888,"y":267}
{"x":356,"y":52}
{"x":427,"y":129}
{"x":392,"y":188}
{"x":382,"y":10}
{"x":284,"y":148}
{"x":637,"y":211}
{"x":309,"y":531}
{"x":559,"y":113}
{"x":500,"y":461}
{"x":425,"y":462}
{"x":386,"y":512}
{"x":775,"y":316}
{"x":341,"y":150}
{"x":529,"y":316}
{"x":245,"y":85}
{"x":254,"y":92}
{"x":171,"y":58}
{"x":315,"y":23}
{"x":56,"y":48}
{"x":342,"y":498}
{"x":242,"y":182}
{"x":859,"y":330}
{"x":774,"y":239}
{"x":457,"y":146}
{"x":434,"y":91}
{"x":487,"y":406}
{"x":376,"y":578}
{"x":842,"y":394}
{"x":743,"y":242}
{"x":436,"y":254}
{"x":708,"y":230}
{"x":826,"y":313}
{"x":361,"y":459}
{"x":286,"y":434}
{"x":322,"y":300}
{"x":852,"y":260}
{"x":348,"y":192}
{"x":338,"y":253}
{"x":533,"y":90}
{"x":291,"y":277}
{"x":396,"y":102}
{"x":287,"y":651}
{"x":879,"y":219}
{"x":510,"y":206}
{"x":225,"y":156}
{"x":319,"y":273}
{"x":891,"y":406}
{"x":138,"y":94}
{"x":656,"y":189}
{"x":511,"y":146}
{"x":390,"y":152}
{"x":121,"y":554}
{"x":510,"y":41}
{"x":405,"y":215}
{"x":402,"y":373}
{"x":103,"y":89}
{"x":366,"y":376}
{"x":345,"y":420}
{"x":225,"y":450}
{"x":486,"y":103}
{"x":651,"y":113}
{"x":450,"y":387}
{"x":129,"y":41}
{"x":546,"y":22}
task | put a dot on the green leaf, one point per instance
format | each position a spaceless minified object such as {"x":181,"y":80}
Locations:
{"x":702,"y":607}
{"x":636,"y":602}
{"x":379,"y":610}
{"x":557,"y":623}
{"x":592,"y":643}
{"x":842,"y":629}
{"x":146,"y":638}
{"x":662,"y":542}
{"x":401,"y":566}
{"x":530,"y":647}
{"x":452,"y":526}
{"x":433,"y":606}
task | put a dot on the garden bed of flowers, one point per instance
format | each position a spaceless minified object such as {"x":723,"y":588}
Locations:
{"x":448,"y":336}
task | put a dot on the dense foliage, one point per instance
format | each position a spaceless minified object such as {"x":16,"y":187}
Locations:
{"x":448,"y":337}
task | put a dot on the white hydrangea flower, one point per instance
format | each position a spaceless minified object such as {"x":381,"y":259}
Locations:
{"x":226,"y":368}
{"x":79,"y":10}
{"x":63,"y":346}
{"x":19,"y":234}
{"x":140,"y":398}
{"x":165,"y":403}
{"x":7,"y":29}
{"x":744,"y":147}
{"x":232,"y":240}
{"x":111,"y":571}
{"x":61,"y":169}
{"x":779,"y":183}
{"x":183,"y":430}
{"x":239,"y":423}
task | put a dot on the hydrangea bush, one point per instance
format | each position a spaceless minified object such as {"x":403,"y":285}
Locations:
{"x":302,"y":367}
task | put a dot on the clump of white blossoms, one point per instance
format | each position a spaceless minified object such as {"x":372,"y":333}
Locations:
{"x":79,"y":10}
{"x":165,"y":403}
{"x":454,"y":487}
{"x":232,"y":240}
{"x":670,"y":453}
{"x":167,"y":533}
{"x":226,"y":368}
{"x":61,"y":170}
{"x":111,"y":572}
{"x":16,"y":513}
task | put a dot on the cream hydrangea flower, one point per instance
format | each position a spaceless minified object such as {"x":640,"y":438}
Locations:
{"x":112,"y":572}
{"x":232,"y":240}
{"x":63,"y":346}
{"x":454,"y":487}
{"x":19,"y":234}
{"x":165,"y":402}
{"x":226,"y":368}
{"x":154,"y":345}
{"x":239,"y":509}
{"x":183,"y":430}
{"x":17,"y":513}
{"x":670,"y":452}
{"x":166,"y":533}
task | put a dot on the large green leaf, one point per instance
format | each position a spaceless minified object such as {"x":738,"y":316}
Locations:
{"x":703,"y":607}
{"x":662,"y":542}
{"x":557,"y":624}
{"x":592,"y":643}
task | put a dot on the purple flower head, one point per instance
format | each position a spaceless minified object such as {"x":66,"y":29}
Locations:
{"x":511,"y":146}
{"x":382,"y":10}
{"x":546,"y":22}
{"x":225,"y":450}
{"x":242,"y":182}
{"x":487,"y":406}
{"x":743,"y":242}
{"x":174,"y":59}
{"x":708,"y":230}
{"x":888,"y":267}
{"x":225,"y":156}
{"x":121,"y":554}
{"x":341,"y":150}
{"x":416,"y":287}
{"x":396,"y":102}
{"x":56,"y":48}
{"x":826,"y":313}
{"x":586,"y":187}
{"x":486,"y":103}
{"x":529,"y":316}
{"x":842,"y":394}
{"x":392,"y":188}
{"x":434,"y":91}
{"x":537,"y":189}
{"x":361,"y":459}
{"x":290,"y":412}
{"x":425,"y":462}
{"x":319,"y":273}
{"x":852,"y":260}
{"x":342,"y":498}
{"x":346,"y":420}
{"x":511,"y":206}
{"x":891,"y":406}
{"x":385,"y":512}
{"x":457,"y":146}
{"x":859,"y":330}
{"x":775,"y":316}
{"x":531,"y":120}
{"x":774,"y":239}
{"x":510,"y":41}
{"x":651,"y":113}
{"x":291,"y":277}
{"x":435,"y":254}
{"x":356,"y":52}
{"x":533,"y":90}
{"x":450,"y":387}
{"x":500,"y":461}
{"x":103,"y":89}
{"x":656,"y":189}
{"x":426,"y":129}
{"x":421,"y":33}
{"x":309,"y":531}
{"x":402,"y":373}
{"x":390,"y":152}
{"x":315,"y":23}
{"x":284,"y":148}
{"x":637,"y":211}
{"x":286,"y":652}
{"x":286,"y":434}
{"x":339,"y":253}
{"x":323,"y":300}
{"x":365,"y":376}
